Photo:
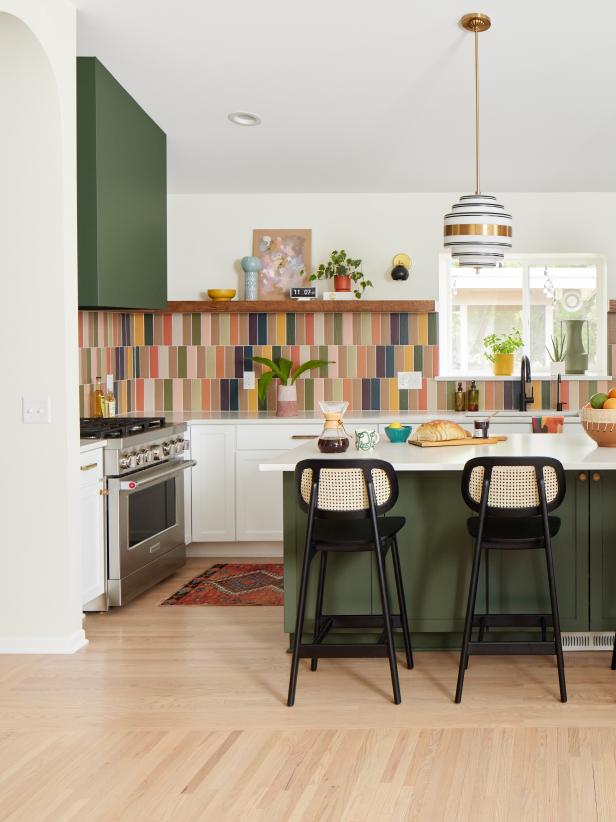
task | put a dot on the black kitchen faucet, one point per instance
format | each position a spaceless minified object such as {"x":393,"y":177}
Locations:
{"x":525,"y":379}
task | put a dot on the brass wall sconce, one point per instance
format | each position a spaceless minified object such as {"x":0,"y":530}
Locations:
{"x":401,"y":264}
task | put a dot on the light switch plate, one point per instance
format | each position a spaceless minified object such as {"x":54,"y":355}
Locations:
{"x":409,"y":379}
{"x":249,"y":379}
{"x":35,"y":410}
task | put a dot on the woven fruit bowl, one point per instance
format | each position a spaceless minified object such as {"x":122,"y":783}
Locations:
{"x":600,"y":425}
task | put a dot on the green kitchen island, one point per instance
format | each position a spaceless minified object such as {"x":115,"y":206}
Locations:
{"x":436,"y":551}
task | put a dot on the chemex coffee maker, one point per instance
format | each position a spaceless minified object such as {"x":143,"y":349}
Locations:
{"x":333,"y":438}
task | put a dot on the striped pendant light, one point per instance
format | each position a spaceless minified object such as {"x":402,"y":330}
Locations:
{"x":477,"y":230}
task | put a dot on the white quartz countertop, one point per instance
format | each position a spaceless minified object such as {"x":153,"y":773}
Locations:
{"x":351,"y":417}
{"x":90,"y":445}
{"x":269,"y":417}
{"x":576,"y":451}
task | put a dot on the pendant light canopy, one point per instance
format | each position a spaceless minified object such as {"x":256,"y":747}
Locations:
{"x":478,"y":231}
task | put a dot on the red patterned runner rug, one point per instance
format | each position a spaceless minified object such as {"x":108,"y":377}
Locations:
{"x":233,"y":584}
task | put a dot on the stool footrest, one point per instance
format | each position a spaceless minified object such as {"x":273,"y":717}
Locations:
{"x":348,"y":651}
{"x":361,"y":620}
{"x":512,"y":648}
{"x":513,"y":620}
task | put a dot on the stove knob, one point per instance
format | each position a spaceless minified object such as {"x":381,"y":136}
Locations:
{"x":157,"y":453}
{"x":133,"y":459}
{"x":146,"y":456}
{"x":166,"y":449}
{"x":179,"y":446}
{"x":124,"y":460}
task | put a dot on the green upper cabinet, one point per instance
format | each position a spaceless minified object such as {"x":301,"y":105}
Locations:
{"x":121,"y":196}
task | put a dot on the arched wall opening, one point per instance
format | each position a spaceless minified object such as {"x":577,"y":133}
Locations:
{"x":39,"y":582}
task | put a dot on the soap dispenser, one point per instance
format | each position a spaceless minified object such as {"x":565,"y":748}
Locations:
{"x":473,"y":397}
{"x":460,"y":398}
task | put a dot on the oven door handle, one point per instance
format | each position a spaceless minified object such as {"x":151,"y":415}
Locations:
{"x":155,"y":475}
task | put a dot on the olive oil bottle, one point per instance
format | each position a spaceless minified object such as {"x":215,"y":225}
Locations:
{"x":98,"y":399}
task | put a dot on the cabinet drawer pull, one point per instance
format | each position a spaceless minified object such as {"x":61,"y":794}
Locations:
{"x":596,"y":477}
{"x":304,"y":436}
{"x":104,"y":492}
{"x":88,"y":467}
{"x":583,"y":477}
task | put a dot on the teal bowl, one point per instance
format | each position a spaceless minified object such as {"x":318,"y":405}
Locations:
{"x":398,"y":434}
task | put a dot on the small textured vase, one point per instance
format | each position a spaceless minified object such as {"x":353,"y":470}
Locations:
{"x":251,"y":266}
{"x":287,"y":401}
{"x":576,"y":358}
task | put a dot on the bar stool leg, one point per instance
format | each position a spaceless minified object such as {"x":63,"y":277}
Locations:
{"x":319,"y":607}
{"x":614,"y":656}
{"x":470,"y":615}
{"x":404,"y":621}
{"x":299,"y":623}
{"x":555,"y":619}
{"x":482,"y":622}
{"x":393,"y":665}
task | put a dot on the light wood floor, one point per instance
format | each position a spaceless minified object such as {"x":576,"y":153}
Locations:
{"x":178,"y":714}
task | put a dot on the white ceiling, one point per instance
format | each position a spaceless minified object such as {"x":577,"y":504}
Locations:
{"x":361,"y":97}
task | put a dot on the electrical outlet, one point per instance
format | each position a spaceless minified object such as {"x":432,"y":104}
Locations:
{"x":249,"y":379}
{"x":35,"y":410}
{"x":409,"y":379}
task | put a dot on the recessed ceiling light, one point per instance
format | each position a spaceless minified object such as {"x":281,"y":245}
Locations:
{"x":243,"y":118}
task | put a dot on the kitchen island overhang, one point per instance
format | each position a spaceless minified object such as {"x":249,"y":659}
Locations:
{"x":576,"y":451}
{"x":436,"y":549}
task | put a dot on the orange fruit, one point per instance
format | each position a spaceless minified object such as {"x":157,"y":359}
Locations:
{"x":610,"y":404}
{"x":612,"y":393}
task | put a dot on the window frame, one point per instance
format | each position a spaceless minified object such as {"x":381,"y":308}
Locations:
{"x":526,"y":260}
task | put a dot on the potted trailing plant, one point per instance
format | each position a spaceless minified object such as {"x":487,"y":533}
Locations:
{"x":345,"y":272}
{"x":557,"y":354}
{"x":282,"y":369}
{"x":499,"y":350}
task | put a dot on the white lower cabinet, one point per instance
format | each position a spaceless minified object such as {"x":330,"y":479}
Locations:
{"x":258,"y":497}
{"x":213,"y":483}
{"x":92,"y":526}
{"x":231,"y":499}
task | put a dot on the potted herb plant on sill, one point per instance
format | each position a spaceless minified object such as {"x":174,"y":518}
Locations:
{"x":345,"y":272}
{"x":282,"y":369}
{"x":557,"y":354}
{"x":499,"y":350}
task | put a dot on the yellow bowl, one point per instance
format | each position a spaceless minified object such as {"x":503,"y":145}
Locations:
{"x":221,"y":294}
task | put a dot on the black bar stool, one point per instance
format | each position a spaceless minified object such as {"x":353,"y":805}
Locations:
{"x":344,"y":499}
{"x":513,"y":498}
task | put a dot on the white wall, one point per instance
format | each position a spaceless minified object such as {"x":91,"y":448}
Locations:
{"x":40,"y":580}
{"x":209,"y":233}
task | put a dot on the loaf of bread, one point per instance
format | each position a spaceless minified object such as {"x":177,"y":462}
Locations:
{"x":439,"y":430}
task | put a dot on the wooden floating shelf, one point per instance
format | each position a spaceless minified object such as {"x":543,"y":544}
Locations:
{"x":302,"y":306}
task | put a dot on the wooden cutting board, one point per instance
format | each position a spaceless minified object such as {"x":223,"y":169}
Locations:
{"x":463,"y":441}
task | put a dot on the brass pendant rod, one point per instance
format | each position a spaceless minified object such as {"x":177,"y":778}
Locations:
{"x":477,"y":177}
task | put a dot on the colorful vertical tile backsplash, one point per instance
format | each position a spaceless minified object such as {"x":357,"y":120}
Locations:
{"x":195,"y":362}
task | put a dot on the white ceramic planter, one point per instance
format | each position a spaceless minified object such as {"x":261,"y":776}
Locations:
{"x":286,"y":405}
{"x":557,"y":368}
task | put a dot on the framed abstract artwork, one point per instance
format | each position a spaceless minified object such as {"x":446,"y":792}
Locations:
{"x":284,"y":254}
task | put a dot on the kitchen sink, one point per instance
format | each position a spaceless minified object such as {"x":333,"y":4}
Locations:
{"x":537,"y":412}
{"x":513,"y":414}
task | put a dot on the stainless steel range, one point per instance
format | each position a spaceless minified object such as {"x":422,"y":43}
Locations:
{"x":144,"y":464}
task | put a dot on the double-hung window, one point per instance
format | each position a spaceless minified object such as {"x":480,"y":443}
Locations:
{"x":531,"y":292}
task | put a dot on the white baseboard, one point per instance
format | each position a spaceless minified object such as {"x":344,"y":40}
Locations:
{"x":234,"y":549}
{"x":43,"y":645}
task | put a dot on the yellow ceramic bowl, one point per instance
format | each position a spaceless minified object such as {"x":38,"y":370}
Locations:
{"x":220,"y":294}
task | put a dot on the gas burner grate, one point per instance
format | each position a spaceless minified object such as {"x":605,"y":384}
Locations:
{"x":97,"y":428}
